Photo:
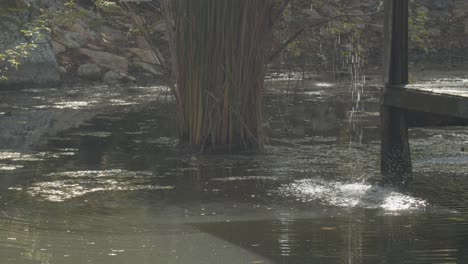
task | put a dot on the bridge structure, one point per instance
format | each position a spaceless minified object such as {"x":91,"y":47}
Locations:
{"x":405,"y":105}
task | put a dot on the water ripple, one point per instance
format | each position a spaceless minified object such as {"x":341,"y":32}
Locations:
{"x":70,"y":184}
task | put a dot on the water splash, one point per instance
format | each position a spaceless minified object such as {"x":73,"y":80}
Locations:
{"x":245,"y":178}
{"x":97,"y":134}
{"x":10,"y":167}
{"x":350,"y":195}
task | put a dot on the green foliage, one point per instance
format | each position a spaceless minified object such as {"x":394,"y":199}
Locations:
{"x":107,"y":6}
{"x":419,"y":33}
{"x":11,"y":58}
{"x":342,"y":38}
{"x":34,"y":31}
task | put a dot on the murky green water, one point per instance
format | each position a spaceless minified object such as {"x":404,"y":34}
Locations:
{"x":116,"y":189}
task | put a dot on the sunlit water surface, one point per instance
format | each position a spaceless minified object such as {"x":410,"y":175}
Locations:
{"x":116,"y":189}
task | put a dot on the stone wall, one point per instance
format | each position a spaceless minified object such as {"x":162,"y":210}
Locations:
{"x":109,"y":47}
{"x":92,"y":47}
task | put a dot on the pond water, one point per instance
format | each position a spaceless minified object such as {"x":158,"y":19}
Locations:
{"x":116,"y":189}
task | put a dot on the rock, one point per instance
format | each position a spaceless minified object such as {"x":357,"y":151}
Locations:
{"x":84,"y":34}
{"x":147,"y":67}
{"x":439,"y":4}
{"x":147,"y":56}
{"x":64,"y":59}
{"x":161,"y":29}
{"x":94,"y":47}
{"x":39,"y":67}
{"x":466,"y":25}
{"x":112,"y":77}
{"x":14,"y":4}
{"x":78,"y":28}
{"x":142,"y":43}
{"x":160,"y":26}
{"x":106,"y":60}
{"x":51,"y":4}
{"x":109,"y":35}
{"x":460,"y":9}
{"x":58,"y":48}
{"x":139,"y":21}
{"x":62,"y":70}
{"x":435,"y":32}
{"x":89,"y":71}
{"x":130,"y":78}
{"x":439,"y":17}
{"x":71,"y":40}
{"x":461,"y":5}
{"x":459,"y":13}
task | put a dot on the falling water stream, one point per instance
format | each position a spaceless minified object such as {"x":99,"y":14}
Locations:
{"x":111,"y":185}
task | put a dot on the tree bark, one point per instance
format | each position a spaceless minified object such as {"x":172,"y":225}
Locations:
{"x":396,"y":164}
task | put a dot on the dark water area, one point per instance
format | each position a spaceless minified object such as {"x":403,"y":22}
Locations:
{"x":116,"y":189}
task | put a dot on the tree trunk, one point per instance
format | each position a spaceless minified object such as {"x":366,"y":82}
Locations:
{"x":396,"y":166}
{"x":219,"y":51}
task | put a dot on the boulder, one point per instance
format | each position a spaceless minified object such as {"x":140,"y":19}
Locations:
{"x":71,"y":40}
{"x":89,"y":71}
{"x":459,"y":13}
{"x":435,"y":32}
{"x":84,"y":34}
{"x":143,"y":43}
{"x":58,"y":47}
{"x":109,"y":35}
{"x":439,"y":4}
{"x":147,"y":67}
{"x":106,"y":60}
{"x":94,"y":47}
{"x":460,"y":9}
{"x":439,"y":17}
{"x":161,"y":29}
{"x":139,"y":21}
{"x":160,"y":26}
{"x":146,"y":56}
{"x":112,"y":77}
{"x":15,"y":3}
{"x":62,"y":70}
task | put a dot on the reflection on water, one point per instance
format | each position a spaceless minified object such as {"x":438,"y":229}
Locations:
{"x":116,"y":189}
{"x":72,"y":184}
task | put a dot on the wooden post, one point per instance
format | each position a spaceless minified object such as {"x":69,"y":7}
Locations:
{"x":396,"y":164}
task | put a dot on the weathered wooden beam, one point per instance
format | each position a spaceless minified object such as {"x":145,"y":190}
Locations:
{"x":396,"y":164}
{"x":426,"y":101}
{"x":424,"y":119}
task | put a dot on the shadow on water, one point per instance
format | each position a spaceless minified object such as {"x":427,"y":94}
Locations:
{"x":116,"y":189}
{"x":358,"y":238}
